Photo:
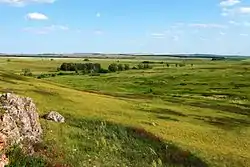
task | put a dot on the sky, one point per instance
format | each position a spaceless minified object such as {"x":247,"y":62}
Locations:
{"x":125,"y":26}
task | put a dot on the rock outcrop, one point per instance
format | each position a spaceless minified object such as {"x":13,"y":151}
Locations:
{"x":54,"y":116}
{"x":3,"y":159}
{"x":19,"y":121}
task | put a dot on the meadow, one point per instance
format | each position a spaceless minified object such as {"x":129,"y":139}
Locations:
{"x":194,"y":115}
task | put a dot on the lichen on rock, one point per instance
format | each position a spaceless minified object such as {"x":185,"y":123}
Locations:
{"x":54,"y":116}
{"x":19,"y":121}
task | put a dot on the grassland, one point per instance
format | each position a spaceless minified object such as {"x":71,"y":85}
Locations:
{"x":203,"y":109}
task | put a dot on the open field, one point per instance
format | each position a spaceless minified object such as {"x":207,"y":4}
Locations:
{"x":202,"y":107}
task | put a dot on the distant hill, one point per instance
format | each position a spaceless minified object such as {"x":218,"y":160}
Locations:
{"x":100,"y":55}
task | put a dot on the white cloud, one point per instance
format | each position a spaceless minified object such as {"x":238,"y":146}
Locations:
{"x":227,"y":3}
{"x":199,"y":25}
{"x":244,"y":35}
{"x":46,"y":29}
{"x":203,"y":39}
{"x":233,"y":22}
{"x":236,"y":11}
{"x":244,"y":10}
{"x":98,"y":32}
{"x":224,"y":14}
{"x":226,"y":11}
{"x":176,"y":38}
{"x":25,"y":2}
{"x":246,"y":23}
{"x":180,"y":24}
{"x":78,"y":31}
{"x":158,"y":35}
{"x":36,"y":16}
{"x":98,"y":14}
{"x":222,"y":33}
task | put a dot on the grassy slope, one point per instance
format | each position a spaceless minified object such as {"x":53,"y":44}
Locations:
{"x":217,"y":133}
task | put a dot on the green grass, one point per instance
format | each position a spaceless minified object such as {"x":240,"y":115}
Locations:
{"x":109,"y":144}
{"x":18,"y":159}
{"x":202,"y":109}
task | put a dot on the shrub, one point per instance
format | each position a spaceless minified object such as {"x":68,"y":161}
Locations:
{"x":86,"y":59}
{"x":94,"y":74}
{"x":134,"y":68}
{"x":150,"y":67}
{"x":218,"y":58}
{"x":183,"y":84}
{"x":167,"y":65}
{"x":182,"y":65}
{"x":41,"y":76}
{"x":146,"y":66}
{"x":60,"y":73}
{"x":8,"y":60}
{"x":150,"y":90}
{"x":140,"y":66}
{"x":103,"y":71}
{"x":113,"y":67}
{"x":46,"y":75}
{"x":121,"y":67}
{"x":126,"y":67}
{"x":51,"y":59}
{"x":85,"y":71}
{"x":27,"y":72}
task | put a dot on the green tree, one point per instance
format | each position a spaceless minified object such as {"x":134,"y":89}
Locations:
{"x":182,"y":65}
{"x":121,"y":67}
{"x":140,"y":66}
{"x":126,"y":67}
{"x":113,"y":67}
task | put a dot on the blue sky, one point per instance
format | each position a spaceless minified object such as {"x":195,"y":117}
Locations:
{"x":125,"y":26}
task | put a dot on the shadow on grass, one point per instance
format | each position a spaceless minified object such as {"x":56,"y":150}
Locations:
{"x":45,"y":92}
{"x":11,"y":76}
{"x":117,"y":144}
{"x":7,"y":81}
{"x":226,"y":108}
{"x":165,"y":111}
{"x":167,"y":118}
{"x":225,"y":122}
{"x":8,"y":90}
{"x":244,"y":105}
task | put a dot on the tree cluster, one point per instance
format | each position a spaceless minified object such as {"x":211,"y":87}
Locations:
{"x":85,"y":67}
{"x":144,"y":66}
{"x":218,"y":58}
{"x":118,"y":67}
{"x":95,"y":68}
